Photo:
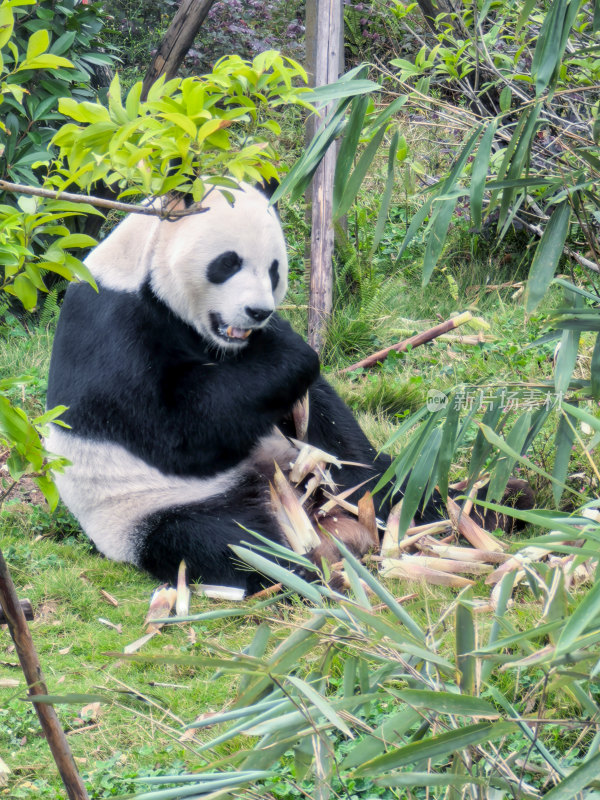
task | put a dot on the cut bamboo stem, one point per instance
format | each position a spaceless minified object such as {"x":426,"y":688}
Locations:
{"x":414,"y":341}
{"x":30,"y":664}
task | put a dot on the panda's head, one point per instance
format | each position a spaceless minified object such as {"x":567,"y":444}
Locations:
{"x":223,"y":271}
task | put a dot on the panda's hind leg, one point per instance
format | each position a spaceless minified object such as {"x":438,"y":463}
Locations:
{"x":200,"y":534}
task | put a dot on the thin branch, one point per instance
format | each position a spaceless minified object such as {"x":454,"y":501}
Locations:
{"x":100,"y":202}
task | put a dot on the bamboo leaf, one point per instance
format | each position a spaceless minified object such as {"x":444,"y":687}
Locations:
{"x":465,"y":644}
{"x":347,"y":151}
{"x":448,"y":444}
{"x":382,"y":593}
{"x":360,"y":170}
{"x":417,"y":220}
{"x":386,"y":197}
{"x":279,"y":574}
{"x":547,"y":52}
{"x":516,"y":439}
{"x":480,"y":170}
{"x":440,"y":221}
{"x":334,"y":91}
{"x":576,"y":781}
{"x":321,"y":703}
{"x":595,"y":369}
{"x":447,"y":702}
{"x":417,"y":481}
{"x":498,"y":441}
{"x":391,"y":731}
{"x":584,"y":615}
{"x":519,"y":160}
{"x":435,"y":748}
{"x":563,"y":443}
{"x":547,"y":255}
{"x":410,"y":779}
{"x":566,"y":360}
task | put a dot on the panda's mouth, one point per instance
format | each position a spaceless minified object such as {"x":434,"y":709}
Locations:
{"x":228,"y":333}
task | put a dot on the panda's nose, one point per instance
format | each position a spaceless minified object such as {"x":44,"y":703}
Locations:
{"x":258,"y":314}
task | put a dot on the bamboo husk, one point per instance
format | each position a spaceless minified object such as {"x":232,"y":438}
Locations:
{"x":337,"y":499}
{"x":472,"y":532}
{"x":366,"y":516}
{"x":450,"y":565}
{"x":515,"y":562}
{"x":300,"y":415}
{"x":409,"y":570}
{"x":304,"y":537}
{"x":182,"y":603}
{"x":462,"y":553}
{"x":389,"y":543}
{"x":161,"y":603}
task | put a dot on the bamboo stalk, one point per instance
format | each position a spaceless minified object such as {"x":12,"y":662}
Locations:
{"x":414,"y":341}
{"x":30,"y":664}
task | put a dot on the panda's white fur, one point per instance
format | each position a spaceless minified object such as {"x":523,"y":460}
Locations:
{"x":110,"y":503}
{"x":176,"y":375}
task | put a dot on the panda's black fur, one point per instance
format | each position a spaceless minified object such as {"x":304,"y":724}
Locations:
{"x":166,"y":425}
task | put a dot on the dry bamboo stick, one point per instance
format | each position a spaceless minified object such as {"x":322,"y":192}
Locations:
{"x":414,"y":341}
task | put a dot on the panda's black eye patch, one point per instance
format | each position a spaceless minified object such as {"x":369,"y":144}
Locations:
{"x":274,"y":274}
{"x":223,"y":267}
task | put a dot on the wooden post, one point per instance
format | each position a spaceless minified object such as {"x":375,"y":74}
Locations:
{"x":177,"y":41}
{"x":325,"y":63}
{"x":55,"y":736}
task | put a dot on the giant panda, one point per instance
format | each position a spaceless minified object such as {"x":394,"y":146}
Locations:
{"x":176,"y":374}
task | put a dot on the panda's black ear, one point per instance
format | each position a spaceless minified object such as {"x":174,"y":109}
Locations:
{"x":268,"y":188}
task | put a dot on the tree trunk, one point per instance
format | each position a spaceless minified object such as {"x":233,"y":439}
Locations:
{"x":177,"y":41}
{"x":325,"y":63}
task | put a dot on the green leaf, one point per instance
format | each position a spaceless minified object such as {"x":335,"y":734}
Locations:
{"x":358,"y":175}
{"x":24,"y":289}
{"x":335,"y":91}
{"x":410,"y":779}
{"x":348,"y":146}
{"x":38,"y":43}
{"x":505,"y":99}
{"x":321,"y":703}
{"x":386,"y":197}
{"x":383,"y":594}
{"x":481,"y":166}
{"x":447,"y":445}
{"x":465,"y":644}
{"x":436,"y":748}
{"x":390,"y":732}
{"x":563,"y":443}
{"x":440,"y":221}
{"x":576,"y":781}
{"x":447,"y":703}
{"x":516,"y":439}
{"x":586,"y":614}
{"x":547,"y":255}
{"x":418,"y":479}
{"x":566,"y":360}
{"x":59,"y":699}
{"x":498,"y":441}
{"x":278,"y":574}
